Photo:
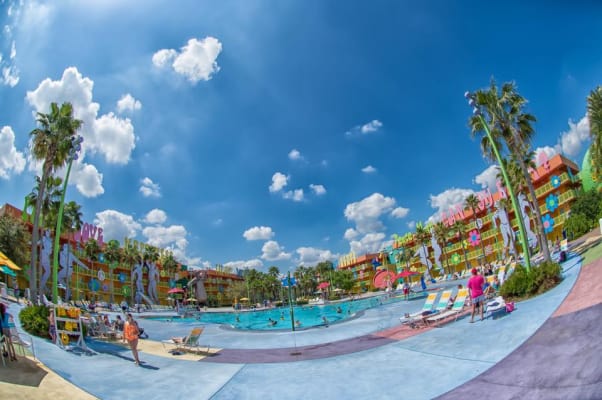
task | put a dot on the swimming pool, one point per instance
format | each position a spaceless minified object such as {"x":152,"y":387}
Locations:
{"x":280,"y":318}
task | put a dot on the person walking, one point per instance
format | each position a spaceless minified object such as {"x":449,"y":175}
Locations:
{"x":475,"y":287}
{"x":130,"y":333}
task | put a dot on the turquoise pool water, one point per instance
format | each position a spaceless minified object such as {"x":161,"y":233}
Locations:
{"x":308,"y":315}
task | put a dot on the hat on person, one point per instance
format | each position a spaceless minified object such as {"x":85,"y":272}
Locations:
{"x":474,"y":271}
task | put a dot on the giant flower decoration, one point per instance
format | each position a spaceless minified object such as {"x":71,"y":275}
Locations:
{"x":455,"y":258}
{"x":555,"y":181}
{"x":552,"y":202}
{"x":548,"y":223}
{"x":474,"y":238}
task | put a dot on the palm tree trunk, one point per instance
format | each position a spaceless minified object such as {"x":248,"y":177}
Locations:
{"x":35,"y":237}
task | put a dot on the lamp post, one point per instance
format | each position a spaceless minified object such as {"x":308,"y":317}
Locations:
{"x":476,"y":110}
{"x":76,"y":145}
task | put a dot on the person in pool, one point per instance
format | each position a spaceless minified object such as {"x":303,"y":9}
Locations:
{"x":272,"y":322}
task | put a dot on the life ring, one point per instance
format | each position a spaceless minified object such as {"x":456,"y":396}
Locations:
{"x":126,"y":290}
{"x":101,"y":275}
{"x":65,"y":339}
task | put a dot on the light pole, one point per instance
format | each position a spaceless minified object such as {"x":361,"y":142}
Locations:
{"x":476,"y":110}
{"x":76,"y":145}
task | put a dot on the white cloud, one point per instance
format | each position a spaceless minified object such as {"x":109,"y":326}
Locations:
{"x":350,"y":234}
{"x":164,"y":236}
{"x":116,"y":226}
{"x":446,"y":199}
{"x":10,"y":158}
{"x":570,"y":141}
{"x":258,"y":233}
{"x":366,"y":213}
{"x":155,"y":216}
{"x":311,"y":256}
{"x":272,"y":251}
{"x":279,"y":181}
{"x":149,"y":189}
{"x":294,"y":195}
{"x":370,"y":127}
{"x":547,"y":150}
{"x":107,"y":135}
{"x":249,"y":264}
{"x":411,"y":224}
{"x":488,"y":178}
{"x":295,"y":155}
{"x":196,"y":60}
{"x":10,"y":75}
{"x":128,"y":103}
{"x":319,"y":190}
{"x":400,"y":212}
{"x":369,"y":169}
{"x":370,"y":243}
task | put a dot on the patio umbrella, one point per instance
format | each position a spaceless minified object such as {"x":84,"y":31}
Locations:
{"x":191,"y":300}
{"x":383,"y":279}
{"x":175,"y":290}
{"x":4,"y":260}
{"x":244,"y":299}
{"x":323,"y":285}
{"x":7,"y":271}
{"x":405,"y":274}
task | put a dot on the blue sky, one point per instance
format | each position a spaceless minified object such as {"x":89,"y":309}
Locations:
{"x":259,"y":133}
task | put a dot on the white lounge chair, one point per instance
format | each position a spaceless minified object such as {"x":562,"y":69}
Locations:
{"x":456,"y":309}
{"x":413,"y":318}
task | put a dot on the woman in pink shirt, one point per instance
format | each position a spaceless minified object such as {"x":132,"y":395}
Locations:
{"x":475,"y":287}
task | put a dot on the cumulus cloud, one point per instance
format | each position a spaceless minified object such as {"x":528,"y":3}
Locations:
{"x":295,"y":155}
{"x":279,"y":181}
{"x":11,"y":160}
{"x":370,"y":243}
{"x":166,"y":236}
{"x":107,"y":135}
{"x":547,"y":150}
{"x":369,"y":169}
{"x":128,"y":103}
{"x":400,"y":212}
{"x":571,"y":141}
{"x":196,"y":61}
{"x":350,"y":234}
{"x":370,"y":127}
{"x":367,"y":212}
{"x":411,"y":224}
{"x":488,"y":178}
{"x":446,"y":199}
{"x":149,"y":189}
{"x":258,"y":233}
{"x":319,"y":190}
{"x":294,"y":195}
{"x":155,"y":216}
{"x":116,"y":225}
{"x":272,"y":251}
{"x":248,"y":264}
{"x":311,"y":256}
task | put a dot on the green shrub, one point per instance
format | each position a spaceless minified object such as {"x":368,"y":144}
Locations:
{"x":578,"y":225}
{"x":302,"y":302}
{"x":524,"y":284}
{"x":34,"y":320}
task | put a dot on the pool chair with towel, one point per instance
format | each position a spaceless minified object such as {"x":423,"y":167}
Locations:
{"x":455,"y":311}
{"x":413,"y":319}
{"x":189,"y":343}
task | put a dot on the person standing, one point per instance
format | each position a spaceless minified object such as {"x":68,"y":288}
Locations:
{"x":475,"y":287}
{"x":130,"y":333}
{"x":4,"y":319}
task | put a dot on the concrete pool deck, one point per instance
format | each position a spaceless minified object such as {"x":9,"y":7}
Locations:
{"x":368,"y":357}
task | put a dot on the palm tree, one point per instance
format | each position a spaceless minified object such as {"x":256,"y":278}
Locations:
{"x":509,"y":124}
{"x":594,"y":117}
{"x":423,"y":236}
{"x":14,"y":239}
{"x":131,"y":256}
{"x":459,"y":228}
{"x":51,"y":142}
{"x":168,"y":262}
{"x":72,"y":217}
{"x":441,"y":234}
{"x":472,"y":202}
{"x":113,"y":255}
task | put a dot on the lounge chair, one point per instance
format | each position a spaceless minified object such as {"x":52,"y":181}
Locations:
{"x":414,"y":318}
{"x":17,"y":339}
{"x":186,"y":343}
{"x":456,"y":309}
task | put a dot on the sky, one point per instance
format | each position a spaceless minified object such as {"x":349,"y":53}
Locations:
{"x":283,"y":133}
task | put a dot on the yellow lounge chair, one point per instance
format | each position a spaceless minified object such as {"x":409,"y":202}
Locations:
{"x":186,"y":343}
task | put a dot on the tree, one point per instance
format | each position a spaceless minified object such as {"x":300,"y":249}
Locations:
{"x":131,"y":256}
{"x":51,"y":143}
{"x":459,"y":228}
{"x":168,"y":262}
{"x":14,"y":239}
{"x":441,"y":234}
{"x":113,"y":255}
{"x":509,"y":125}
{"x":472,"y":202}
{"x":594,"y":117}
{"x":91,"y":251}
{"x":423,"y":236}
{"x":72,"y":217}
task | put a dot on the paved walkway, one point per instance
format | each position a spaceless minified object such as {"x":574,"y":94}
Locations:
{"x":368,"y":357}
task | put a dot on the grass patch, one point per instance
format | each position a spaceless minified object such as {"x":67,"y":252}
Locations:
{"x":592,"y":254}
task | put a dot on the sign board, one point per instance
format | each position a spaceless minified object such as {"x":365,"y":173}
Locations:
{"x":285,"y":282}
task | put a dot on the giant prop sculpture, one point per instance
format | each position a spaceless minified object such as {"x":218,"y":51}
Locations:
{"x":197,"y":285}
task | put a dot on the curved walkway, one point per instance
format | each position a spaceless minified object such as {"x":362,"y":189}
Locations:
{"x":369,"y":357}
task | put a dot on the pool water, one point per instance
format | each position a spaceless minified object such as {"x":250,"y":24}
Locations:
{"x":308,"y":315}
